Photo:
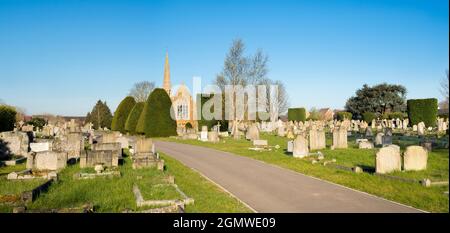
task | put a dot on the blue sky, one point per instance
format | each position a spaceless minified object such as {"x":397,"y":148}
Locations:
{"x":61,"y":56}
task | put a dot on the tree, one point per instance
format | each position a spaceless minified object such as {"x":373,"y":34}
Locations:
{"x":121,"y":114}
{"x":314,"y":114}
{"x":380,"y":98}
{"x":133,"y":117}
{"x":156,"y":117}
{"x":100,"y":116}
{"x":239,"y":70}
{"x":37,"y":122}
{"x":444,"y":90}
{"x":141,"y":90}
{"x":7,"y":118}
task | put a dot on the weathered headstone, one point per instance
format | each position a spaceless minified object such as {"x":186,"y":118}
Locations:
{"x":40,"y":146}
{"x":91,"y":158}
{"x":387,"y":160}
{"x":213,"y":136}
{"x":379,"y":139}
{"x":365,"y":145}
{"x":340,"y":137}
{"x":252,"y":133}
{"x":114,"y":147}
{"x":48,"y":160}
{"x":387,"y":137}
{"x":421,"y":128}
{"x":415,"y":158}
{"x":316,"y":139}
{"x":300,"y":149}
{"x":16,"y":143}
{"x":290,"y":146}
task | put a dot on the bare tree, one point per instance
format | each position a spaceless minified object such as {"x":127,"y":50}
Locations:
{"x":444,"y":91}
{"x":241,"y":70}
{"x":141,"y":90}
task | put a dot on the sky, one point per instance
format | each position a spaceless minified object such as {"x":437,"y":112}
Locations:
{"x":60,"y":57}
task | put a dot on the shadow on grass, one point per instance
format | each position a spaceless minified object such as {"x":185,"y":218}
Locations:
{"x":368,"y":169}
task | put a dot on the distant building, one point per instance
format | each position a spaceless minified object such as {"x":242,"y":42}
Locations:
{"x":182,"y":102}
{"x":326,"y":114}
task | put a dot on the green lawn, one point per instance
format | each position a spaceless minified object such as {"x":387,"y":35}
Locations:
{"x":115,"y":194}
{"x":430,"y":199}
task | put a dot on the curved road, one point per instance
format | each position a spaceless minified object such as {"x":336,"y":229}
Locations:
{"x":267,"y":188}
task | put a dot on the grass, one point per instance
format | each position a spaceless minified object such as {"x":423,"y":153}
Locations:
{"x":208,"y":197}
{"x":430,"y":199}
{"x":115,"y":194}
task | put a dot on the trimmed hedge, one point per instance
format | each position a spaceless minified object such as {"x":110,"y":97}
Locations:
{"x":422,"y":110}
{"x":369,"y":116}
{"x":155,"y":119}
{"x":344,"y":115}
{"x":7,"y":118}
{"x":297,"y":114}
{"x":121,"y":114}
{"x":133,"y":117}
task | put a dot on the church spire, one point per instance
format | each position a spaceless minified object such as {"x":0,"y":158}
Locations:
{"x":166,"y":83}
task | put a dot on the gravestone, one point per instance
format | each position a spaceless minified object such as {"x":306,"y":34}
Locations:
{"x":281,"y":132}
{"x":40,"y":146}
{"x":17,"y":143}
{"x":365,"y":145}
{"x":260,"y":143}
{"x":47,"y":160}
{"x":379,"y":139}
{"x":252,"y":133}
{"x":395,"y":147}
{"x":369,"y":133}
{"x":290,"y":146}
{"x":91,"y":158}
{"x":300,"y":149}
{"x":421,"y":128}
{"x":387,"y":137}
{"x":74,"y":145}
{"x":340,"y":137}
{"x":110,"y":137}
{"x":316,"y":139}
{"x":387,"y":160}
{"x":213,"y":137}
{"x":415,"y":158}
{"x":115,"y":147}
{"x":124,"y":141}
{"x":204,"y":134}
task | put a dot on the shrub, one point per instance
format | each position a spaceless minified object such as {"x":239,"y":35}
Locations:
{"x":133,"y":117}
{"x":100,"y":115}
{"x":344,"y":115}
{"x":297,"y":114}
{"x":37,"y":122}
{"x":121,"y":114}
{"x":7,"y":118}
{"x":155,"y":119}
{"x":188,"y":125}
{"x":422,"y":110}
{"x":369,"y":116}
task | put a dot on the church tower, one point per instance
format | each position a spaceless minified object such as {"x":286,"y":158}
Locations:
{"x":166,"y":83}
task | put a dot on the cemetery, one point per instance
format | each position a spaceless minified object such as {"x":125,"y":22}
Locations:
{"x":234,"y":144}
{"x":110,"y":162}
{"x":79,"y":169}
{"x":380,"y":158}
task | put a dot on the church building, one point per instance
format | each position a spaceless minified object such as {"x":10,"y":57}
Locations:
{"x":182,"y":102}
